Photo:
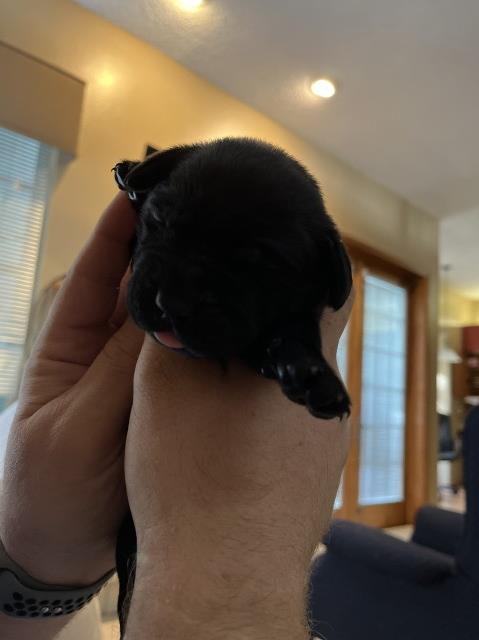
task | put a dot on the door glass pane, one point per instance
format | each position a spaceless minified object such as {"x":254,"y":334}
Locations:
{"x":342,"y":358}
{"x":381,"y":469}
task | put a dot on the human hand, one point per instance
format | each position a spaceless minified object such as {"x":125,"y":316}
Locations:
{"x":64,"y":493}
{"x":231,"y":488}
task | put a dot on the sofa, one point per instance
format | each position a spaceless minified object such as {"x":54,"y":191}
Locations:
{"x":371,"y":586}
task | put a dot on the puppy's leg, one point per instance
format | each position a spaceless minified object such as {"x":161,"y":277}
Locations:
{"x":294,"y":357}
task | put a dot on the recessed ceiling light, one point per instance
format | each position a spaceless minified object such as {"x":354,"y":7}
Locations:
{"x":323,"y":88}
{"x":191,"y":4}
{"x":106,"y":78}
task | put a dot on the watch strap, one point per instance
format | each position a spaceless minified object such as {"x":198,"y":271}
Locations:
{"x":21,"y":596}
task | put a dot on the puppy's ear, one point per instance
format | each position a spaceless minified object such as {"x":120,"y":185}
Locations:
{"x":340,"y":271}
{"x":157,"y":167}
{"x":143,"y":176}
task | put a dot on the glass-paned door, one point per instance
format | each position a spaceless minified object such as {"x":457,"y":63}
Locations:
{"x":374,"y":357}
{"x":383,"y":402}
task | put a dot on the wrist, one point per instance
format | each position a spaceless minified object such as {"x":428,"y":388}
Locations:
{"x":185,"y":599}
{"x":53,"y":557}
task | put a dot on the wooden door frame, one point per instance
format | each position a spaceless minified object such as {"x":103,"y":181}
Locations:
{"x":417,"y":393}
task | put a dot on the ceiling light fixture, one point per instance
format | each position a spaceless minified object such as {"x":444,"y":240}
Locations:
{"x":191,"y":4}
{"x":323,"y":88}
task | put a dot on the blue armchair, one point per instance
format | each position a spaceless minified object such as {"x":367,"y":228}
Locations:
{"x":370,"y":586}
{"x":439,"y":529}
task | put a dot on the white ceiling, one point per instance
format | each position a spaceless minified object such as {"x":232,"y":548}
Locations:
{"x":407,"y":108}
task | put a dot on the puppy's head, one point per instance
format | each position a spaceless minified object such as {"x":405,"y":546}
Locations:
{"x":233,"y":238}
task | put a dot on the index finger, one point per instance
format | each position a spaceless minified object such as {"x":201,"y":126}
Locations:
{"x":78,"y":326}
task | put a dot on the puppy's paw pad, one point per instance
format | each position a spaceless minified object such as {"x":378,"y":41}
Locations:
{"x":268,"y":370}
{"x":312,"y":382}
{"x":337,"y":408}
{"x":306,"y":378}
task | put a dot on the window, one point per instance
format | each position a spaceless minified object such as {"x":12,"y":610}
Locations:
{"x":27,"y":170}
{"x":386,"y":363}
{"x":383,"y":403}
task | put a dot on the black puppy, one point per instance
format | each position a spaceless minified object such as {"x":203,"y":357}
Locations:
{"x":235,"y":256}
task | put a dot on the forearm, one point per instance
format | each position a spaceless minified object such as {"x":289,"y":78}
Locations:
{"x":237,"y":597}
{"x":47,"y":566}
{"x":229,"y":568}
{"x":229,"y":507}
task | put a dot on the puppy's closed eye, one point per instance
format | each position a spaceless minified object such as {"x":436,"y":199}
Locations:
{"x":157,"y":217}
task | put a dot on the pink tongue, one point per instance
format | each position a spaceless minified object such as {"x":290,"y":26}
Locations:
{"x":169,"y":339}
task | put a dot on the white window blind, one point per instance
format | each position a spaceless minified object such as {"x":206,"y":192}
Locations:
{"x":27,"y":171}
{"x":381,"y":469}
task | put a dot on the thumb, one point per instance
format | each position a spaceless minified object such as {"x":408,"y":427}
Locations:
{"x":120,"y":354}
{"x":108,"y":383}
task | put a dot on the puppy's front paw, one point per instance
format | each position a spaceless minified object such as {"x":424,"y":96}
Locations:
{"x":306,"y":378}
{"x":335,"y":405}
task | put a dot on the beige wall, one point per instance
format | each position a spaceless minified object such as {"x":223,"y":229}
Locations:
{"x":455,"y":310}
{"x":135,"y":94}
